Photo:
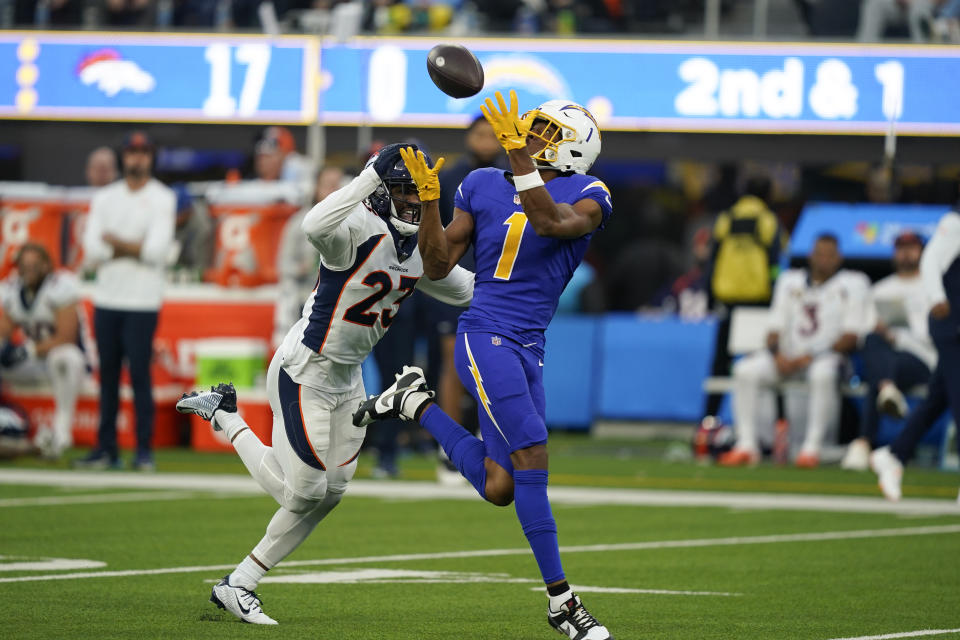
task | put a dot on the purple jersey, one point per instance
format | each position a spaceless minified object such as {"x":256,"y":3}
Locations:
{"x":520,"y":275}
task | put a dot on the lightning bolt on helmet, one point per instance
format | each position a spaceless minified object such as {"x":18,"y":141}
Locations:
{"x":573,"y":144}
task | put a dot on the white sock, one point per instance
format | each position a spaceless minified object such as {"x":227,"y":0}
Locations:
{"x":557,"y":601}
{"x":248,"y":574}
{"x":231,"y":423}
{"x":413,"y":401}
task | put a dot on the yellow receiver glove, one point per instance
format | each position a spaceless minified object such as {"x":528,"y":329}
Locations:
{"x":428,"y":184}
{"x":510,"y":128}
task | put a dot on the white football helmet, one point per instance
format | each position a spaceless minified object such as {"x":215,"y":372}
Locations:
{"x":573,"y":144}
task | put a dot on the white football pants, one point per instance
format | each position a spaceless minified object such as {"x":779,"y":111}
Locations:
{"x":64,"y":367}
{"x":305,"y":494}
{"x":754,"y":375}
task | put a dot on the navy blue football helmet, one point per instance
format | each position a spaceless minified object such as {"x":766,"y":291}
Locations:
{"x":391,"y":200}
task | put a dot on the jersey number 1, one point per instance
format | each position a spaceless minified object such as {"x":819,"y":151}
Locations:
{"x":516,"y":224}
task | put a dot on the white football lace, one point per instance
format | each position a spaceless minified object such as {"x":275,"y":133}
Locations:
{"x":583,"y":619}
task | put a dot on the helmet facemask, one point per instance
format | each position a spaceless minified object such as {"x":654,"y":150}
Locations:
{"x":552,"y":135}
{"x":570,"y":135}
{"x":404,"y":214}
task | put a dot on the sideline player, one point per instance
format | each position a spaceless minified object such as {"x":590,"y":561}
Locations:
{"x":530,"y":229}
{"x":366,"y":234}
{"x":817,"y":318}
{"x":44,"y":304}
{"x":940,"y":271}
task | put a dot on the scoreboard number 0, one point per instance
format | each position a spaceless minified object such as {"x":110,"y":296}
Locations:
{"x":220,"y":56}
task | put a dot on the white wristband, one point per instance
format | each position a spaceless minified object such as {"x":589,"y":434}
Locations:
{"x":528,"y":181}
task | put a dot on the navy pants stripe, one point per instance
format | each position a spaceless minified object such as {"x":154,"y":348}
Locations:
{"x":125,"y":335}
{"x":289,"y":392}
{"x":882,"y":362}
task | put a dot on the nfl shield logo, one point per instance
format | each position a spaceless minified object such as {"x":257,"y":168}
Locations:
{"x":516,"y":198}
{"x":495,"y":340}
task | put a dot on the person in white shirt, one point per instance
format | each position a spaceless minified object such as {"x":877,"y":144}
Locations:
{"x":366,"y":235}
{"x":898,"y":354}
{"x":127,"y":240}
{"x":817,"y":318}
{"x":43,"y":303}
{"x":940,"y":272}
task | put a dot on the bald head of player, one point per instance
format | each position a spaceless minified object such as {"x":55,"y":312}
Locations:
{"x":101,"y":167}
{"x":825,"y":259}
{"x":33,"y":265}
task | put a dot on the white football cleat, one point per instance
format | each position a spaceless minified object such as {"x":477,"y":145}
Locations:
{"x":857,"y":457}
{"x":891,"y":402}
{"x":243,"y":603}
{"x":395,"y":400}
{"x":889,"y":472}
{"x":575,"y":622}
{"x":206,"y":403}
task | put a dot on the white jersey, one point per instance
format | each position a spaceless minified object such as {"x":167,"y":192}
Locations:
{"x":38,"y":317}
{"x":914,"y":336}
{"x":360,"y":288}
{"x":810,"y":318}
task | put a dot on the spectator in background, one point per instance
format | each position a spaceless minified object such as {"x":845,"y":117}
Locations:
{"x":947,"y":25}
{"x":128,"y":13}
{"x":101,"y":167}
{"x":276,"y":159}
{"x":816,"y":320}
{"x":53,"y":12}
{"x":127,"y":240}
{"x":194,"y":233}
{"x":43,"y":303}
{"x":877,"y":15}
{"x":745,"y":261}
{"x":482,"y":150}
{"x":195,"y":13}
{"x":898,"y":354}
{"x":689,"y":295}
{"x":940,"y":272}
{"x":297,"y":259}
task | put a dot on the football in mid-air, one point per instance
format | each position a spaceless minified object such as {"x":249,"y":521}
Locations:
{"x":455,"y":70}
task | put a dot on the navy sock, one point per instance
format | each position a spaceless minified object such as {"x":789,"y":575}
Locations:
{"x":465,"y":451}
{"x":536,"y":518}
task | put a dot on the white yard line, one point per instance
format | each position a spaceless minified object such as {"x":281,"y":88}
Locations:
{"x":579,"y":588}
{"x":488,"y":553}
{"x":908,"y":634}
{"x":99,"y":498}
{"x":402,"y":490}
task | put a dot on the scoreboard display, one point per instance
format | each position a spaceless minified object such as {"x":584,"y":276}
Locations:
{"x":632,"y":85}
{"x":162,"y":78}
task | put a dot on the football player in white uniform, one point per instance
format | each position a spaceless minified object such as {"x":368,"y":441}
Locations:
{"x":43,"y":303}
{"x":817,"y":318}
{"x":366,"y":234}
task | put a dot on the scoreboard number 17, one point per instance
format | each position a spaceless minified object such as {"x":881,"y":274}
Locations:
{"x":220,"y":56}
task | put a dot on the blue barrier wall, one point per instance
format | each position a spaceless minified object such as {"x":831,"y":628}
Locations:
{"x":652,"y":368}
{"x":570,"y":370}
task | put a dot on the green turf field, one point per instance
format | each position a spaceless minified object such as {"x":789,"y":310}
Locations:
{"x":401,"y":569}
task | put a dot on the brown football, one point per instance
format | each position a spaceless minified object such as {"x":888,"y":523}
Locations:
{"x":455,"y":70}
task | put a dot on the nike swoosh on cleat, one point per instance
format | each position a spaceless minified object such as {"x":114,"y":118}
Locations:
{"x":245,"y":610}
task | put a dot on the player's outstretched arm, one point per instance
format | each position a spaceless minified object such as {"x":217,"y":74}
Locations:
{"x":548,"y":219}
{"x":455,"y":289}
{"x":324,"y":223}
{"x":552,"y":220}
{"x":440,"y":248}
